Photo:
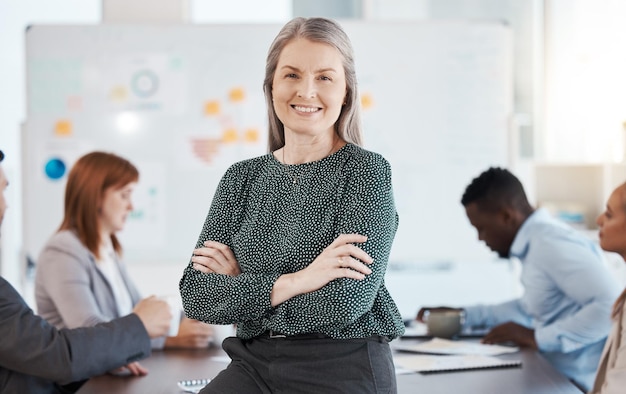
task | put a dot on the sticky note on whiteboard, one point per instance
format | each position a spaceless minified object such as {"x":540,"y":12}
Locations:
{"x":63,"y":128}
{"x":237,"y":95}
{"x":212,"y":108}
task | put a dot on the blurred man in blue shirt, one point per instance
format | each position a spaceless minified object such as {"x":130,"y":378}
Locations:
{"x":568,"y":291}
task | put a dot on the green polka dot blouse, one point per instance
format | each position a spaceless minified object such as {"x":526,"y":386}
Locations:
{"x":277,"y":219}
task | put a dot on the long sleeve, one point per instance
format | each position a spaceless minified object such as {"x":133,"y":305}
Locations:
{"x":568,"y":291}
{"x":567,"y":299}
{"x":221,"y":299}
{"x":367,"y":208}
{"x":492,"y":315}
{"x":579,"y":276}
{"x":275,"y":226}
{"x":32,"y":347}
{"x":69,"y":290}
{"x":579,"y":309}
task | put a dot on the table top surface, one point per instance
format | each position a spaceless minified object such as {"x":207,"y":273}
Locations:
{"x":166,"y":368}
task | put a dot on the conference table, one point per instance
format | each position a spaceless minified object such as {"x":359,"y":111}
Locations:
{"x":167,"y":367}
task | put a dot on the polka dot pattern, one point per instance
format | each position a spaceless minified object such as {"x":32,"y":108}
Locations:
{"x":277,"y":219}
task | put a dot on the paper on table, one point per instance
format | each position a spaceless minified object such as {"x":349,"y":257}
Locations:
{"x":415,"y":329}
{"x":403,"y":371}
{"x":446,"y":346}
{"x":430,"y":363}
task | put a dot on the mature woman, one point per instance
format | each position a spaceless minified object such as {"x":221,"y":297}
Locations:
{"x":80,"y":279}
{"x":295,"y":245}
{"x":611,"y":375}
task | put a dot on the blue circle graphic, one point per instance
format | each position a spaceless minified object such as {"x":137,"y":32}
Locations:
{"x":144,"y":83}
{"x":55,"y":168}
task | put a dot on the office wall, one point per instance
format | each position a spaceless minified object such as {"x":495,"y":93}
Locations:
{"x":15,"y":15}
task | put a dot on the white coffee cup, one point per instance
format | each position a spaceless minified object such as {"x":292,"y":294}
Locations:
{"x":176,"y":308}
{"x":444,"y":324}
{"x":221,"y":332}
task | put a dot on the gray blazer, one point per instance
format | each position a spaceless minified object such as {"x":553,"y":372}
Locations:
{"x":70,"y":289}
{"x":611,"y":375}
{"x":35,"y":357}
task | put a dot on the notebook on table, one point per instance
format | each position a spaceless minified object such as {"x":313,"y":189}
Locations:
{"x":427,"y":363}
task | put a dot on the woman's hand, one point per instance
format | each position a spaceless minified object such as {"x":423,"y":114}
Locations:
{"x":339,"y":260}
{"x":215,"y":257}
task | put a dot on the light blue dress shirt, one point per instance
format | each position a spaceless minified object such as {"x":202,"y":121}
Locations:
{"x":567,"y":300}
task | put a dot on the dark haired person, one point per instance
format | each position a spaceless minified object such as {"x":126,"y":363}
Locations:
{"x":568,"y":291}
{"x":36,"y":358}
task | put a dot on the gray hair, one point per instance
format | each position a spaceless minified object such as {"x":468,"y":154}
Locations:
{"x":329,"y":32}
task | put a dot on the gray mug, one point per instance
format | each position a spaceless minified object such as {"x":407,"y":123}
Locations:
{"x":444,"y":324}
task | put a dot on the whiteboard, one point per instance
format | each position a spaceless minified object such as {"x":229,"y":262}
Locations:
{"x":183,"y":102}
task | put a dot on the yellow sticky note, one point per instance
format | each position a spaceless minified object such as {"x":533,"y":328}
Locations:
{"x":118,"y":93}
{"x":212,"y":107}
{"x":229,"y":135}
{"x":63,"y":128}
{"x":251,"y":135}
{"x":237,"y":94}
{"x":367,"y":101}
